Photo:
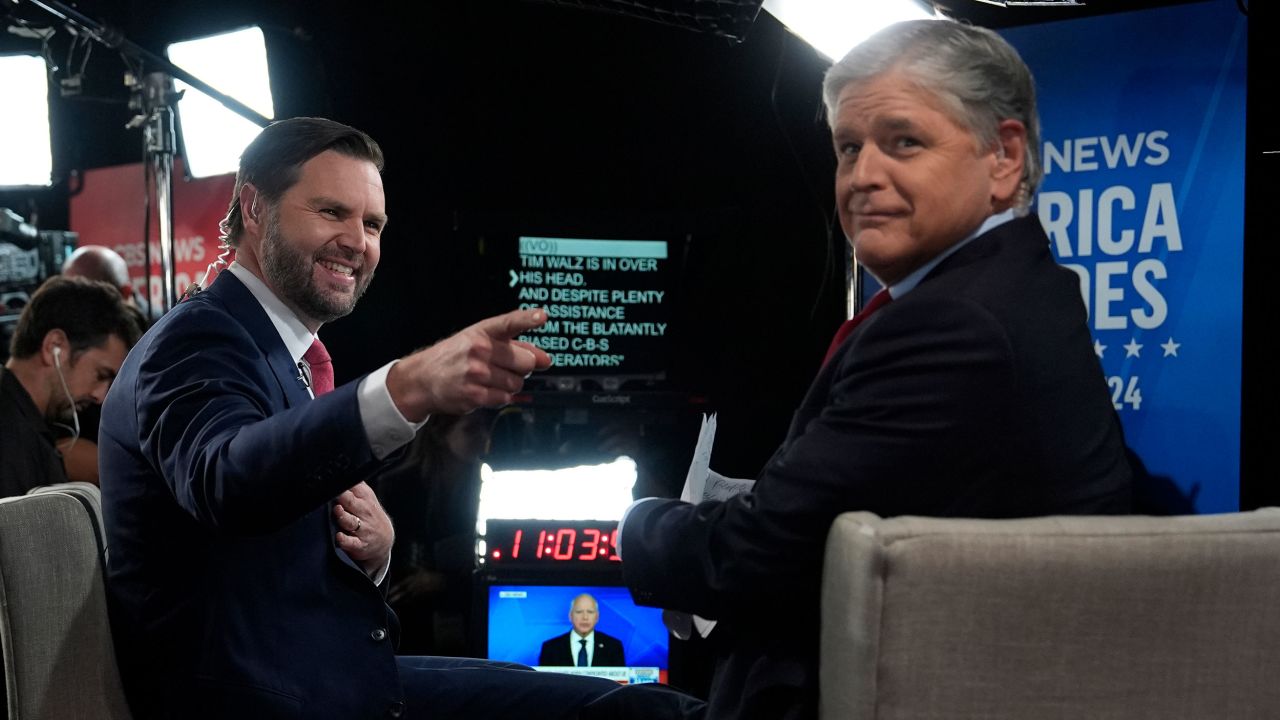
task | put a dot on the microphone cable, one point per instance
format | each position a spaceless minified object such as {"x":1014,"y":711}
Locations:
{"x":75,"y":415}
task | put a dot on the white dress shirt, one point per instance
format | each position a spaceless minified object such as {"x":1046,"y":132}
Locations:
{"x":384,"y":426}
{"x":575,"y":646}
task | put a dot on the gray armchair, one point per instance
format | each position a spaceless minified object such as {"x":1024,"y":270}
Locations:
{"x":1059,"y":617}
{"x":58,"y":658}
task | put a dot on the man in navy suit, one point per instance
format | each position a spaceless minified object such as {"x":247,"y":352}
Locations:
{"x":584,"y":645}
{"x":975,"y":392}
{"x":247,"y":556}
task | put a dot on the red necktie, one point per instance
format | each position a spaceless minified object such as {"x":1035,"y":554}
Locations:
{"x":321,"y":368}
{"x":321,"y":365}
{"x":877,"y":301}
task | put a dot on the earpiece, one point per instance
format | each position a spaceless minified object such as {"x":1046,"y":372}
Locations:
{"x":253,"y":208}
{"x":75,"y":414}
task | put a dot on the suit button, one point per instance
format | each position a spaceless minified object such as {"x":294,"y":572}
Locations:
{"x":395,"y":709}
{"x":378,"y":635}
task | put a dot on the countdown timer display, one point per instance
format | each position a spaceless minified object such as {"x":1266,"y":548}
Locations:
{"x":551,"y":543}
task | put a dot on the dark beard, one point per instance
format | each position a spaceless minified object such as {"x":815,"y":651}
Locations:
{"x":61,"y":409}
{"x":291,"y":273}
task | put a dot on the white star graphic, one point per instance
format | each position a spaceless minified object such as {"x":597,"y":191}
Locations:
{"x":1171,"y":348}
{"x":1098,"y":347}
{"x":1132,"y":349}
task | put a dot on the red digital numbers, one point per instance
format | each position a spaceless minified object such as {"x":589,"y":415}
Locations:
{"x":590,"y":547}
{"x":556,"y":544}
{"x":565,"y":538}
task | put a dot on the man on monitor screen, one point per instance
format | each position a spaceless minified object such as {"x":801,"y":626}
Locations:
{"x":583,"y":646}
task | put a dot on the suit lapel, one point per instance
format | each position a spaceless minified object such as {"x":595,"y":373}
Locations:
{"x":1006,"y":238}
{"x":245,"y":308}
{"x":1002,"y":238}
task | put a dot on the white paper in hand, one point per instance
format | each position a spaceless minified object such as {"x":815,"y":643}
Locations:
{"x":682,"y":624}
{"x":695,"y":482}
{"x":701,"y":484}
{"x":719,"y":487}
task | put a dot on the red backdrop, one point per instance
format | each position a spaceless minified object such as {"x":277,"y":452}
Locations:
{"x":110,"y":211}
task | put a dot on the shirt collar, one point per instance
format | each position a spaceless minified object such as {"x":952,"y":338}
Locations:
{"x":908,"y":283}
{"x":297,"y":338}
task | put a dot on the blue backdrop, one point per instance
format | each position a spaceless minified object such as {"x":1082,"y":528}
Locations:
{"x":1143,"y":119}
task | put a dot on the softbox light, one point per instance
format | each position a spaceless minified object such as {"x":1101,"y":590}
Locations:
{"x":833,"y":27}
{"x":235,"y":64}
{"x":26,"y":154}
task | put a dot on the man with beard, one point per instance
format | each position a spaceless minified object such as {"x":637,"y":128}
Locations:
{"x":96,"y":262}
{"x":67,"y":347}
{"x":248,"y":556}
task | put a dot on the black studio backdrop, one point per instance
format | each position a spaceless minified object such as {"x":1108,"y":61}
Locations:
{"x":510,"y":107}
{"x":605,"y":126}
{"x":581,"y":119}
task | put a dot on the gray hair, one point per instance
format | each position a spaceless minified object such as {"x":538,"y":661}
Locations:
{"x":974,"y":72}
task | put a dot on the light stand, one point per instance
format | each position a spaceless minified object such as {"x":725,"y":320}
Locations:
{"x":154,"y":98}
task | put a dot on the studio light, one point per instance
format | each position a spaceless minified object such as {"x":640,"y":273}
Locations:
{"x":233,"y":63}
{"x":26,"y":155}
{"x":833,"y":27}
{"x":585,"y":492}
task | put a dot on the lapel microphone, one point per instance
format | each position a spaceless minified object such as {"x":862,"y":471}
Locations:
{"x":304,"y":374}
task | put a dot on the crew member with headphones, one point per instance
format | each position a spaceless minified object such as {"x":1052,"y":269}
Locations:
{"x":69,"y":343}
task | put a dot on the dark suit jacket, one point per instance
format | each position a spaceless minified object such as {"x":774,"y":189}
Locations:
{"x":229,"y":596}
{"x":28,"y":457}
{"x":608,"y":652}
{"x":977,"y":394}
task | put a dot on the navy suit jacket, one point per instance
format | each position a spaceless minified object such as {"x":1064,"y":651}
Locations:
{"x":977,"y":394}
{"x":608,"y":652}
{"x":230,"y":598}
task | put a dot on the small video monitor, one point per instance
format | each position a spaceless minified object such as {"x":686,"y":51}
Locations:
{"x":534,"y":624}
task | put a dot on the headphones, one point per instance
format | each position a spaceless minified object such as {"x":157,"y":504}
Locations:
{"x":57,"y":356}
